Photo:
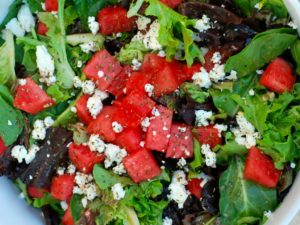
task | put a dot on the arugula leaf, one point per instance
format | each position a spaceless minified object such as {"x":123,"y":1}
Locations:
{"x":133,"y":50}
{"x":106,"y":179}
{"x":47,"y":199}
{"x":76,"y":207}
{"x":229,"y":149}
{"x":255,"y":110}
{"x":7,"y":59}
{"x":260,"y":52}
{"x":223,"y":98}
{"x":198,"y":159}
{"x":12,"y":12}
{"x":242,"y":199}
{"x":57,"y":42}
{"x":174,"y":32}
{"x":11,"y":123}
{"x":295,"y":49}
{"x":194,"y":92}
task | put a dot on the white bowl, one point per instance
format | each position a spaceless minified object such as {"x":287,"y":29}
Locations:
{"x":15,"y":211}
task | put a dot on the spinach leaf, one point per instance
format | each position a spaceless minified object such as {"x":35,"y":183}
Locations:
{"x":133,"y":50}
{"x":229,"y":149}
{"x":194,"y":92}
{"x":47,"y":199}
{"x":35,"y":5}
{"x":242,"y":199}
{"x":174,"y":32}
{"x":223,"y":98}
{"x":11,"y":123}
{"x":260,"y":52}
{"x":106,"y":179}
{"x":12,"y":12}
{"x":7,"y":59}
{"x":295,"y":49}
{"x":255,"y":110}
{"x":57,"y":42}
{"x":76,"y":207}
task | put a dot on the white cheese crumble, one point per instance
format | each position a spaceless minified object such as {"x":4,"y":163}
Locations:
{"x":245,"y":133}
{"x":40,"y":127}
{"x":251,"y":92}
{"x":177,"y":189}
{"x":203,"y":24}
{"x":93,"y":24}
{"x":210,"y":156}
{"x":268,"y":213}
{"x":167,"y":221}
{"x":88,"y":87}
{"x":232,"y":75}
{"x":118,"y":191}
{"x":45,"y":64}
{"x":145,"y":123}
{"x":25,"y":18}
{"x":221,"y":128}
{"x":71,"y":169}
{"x":259,"y":72}
{"x":9,"y":123}
{"x":64,"y":205}
{"x":202,"y":117}
{"x":88,"y":47}
{"x":113,"y":154}
{"x":60,"y":171}
{"x":79,"y":64}
{"x":181,"y":162}
{"x":155,"y":112}
{"x":119,"y":169}
{"x":135,"y":64}
{"x":142,"y":22}
{"x":202,"y":78}
{"x":96,"y":144}
{"x":48,"y":121}
{"x":216,"y":58}
{"x":15,"y":27}
{"x":85,"y":186}
{"x":73,"y":109}
{"x":77,"y":82}
{"x":22,"y":82}
{"x":94,"y":105}
{"x":20,"y":153}
{"x":100,"y":73}
{"x":117,"y":127}
{"x":84,"y":202}
{"x":149,"y":88}
{"x":292,"y":25}
{"x":293,"y":165}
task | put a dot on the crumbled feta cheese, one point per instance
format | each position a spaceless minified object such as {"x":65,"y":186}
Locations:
{"x":9,"y":123}
{"x":177,"y":189}
{"x":245,"y":133}
{"x":182,"y":129}
{"x":60,"y":170}
{"x":64,"y":205}
{"x":22,"y":82}
{"x":25,"y":18}
{"x":71,"y":169}
{"x":293,"y":165}
{"x":142,"y":22}
{"x":203,"y":24}
{"x":259,"y":72}
{"x":181,"y":163}
{"x":19,"y":152}
{"x":45,"y":64}
{"x":100,"y":73}
{"x":39,"y":130}
{"x":232,"y":75}
{"x":149,"y":88}
{"x":79,"y":64}
{"x":221,"y":128}
{"x":202,"y":78}
{"x":118,"y":191}
{"x":84,"y":202}
{"x":167,"y":221}
{"x":267,"y":214}
{"x":94,"y":105}
{"x":161,"y":53}
{"x":101,"y":94}
{"x":113,"y":154}
{"x":145,"y":123}
{"x":117,"y":127}
{"x":31,"y":153}
{"x":216,"y":58}
{"x":73,"y":109}
{"x":88,"y":47}
{"x":43,"y":6}
{"x":202,"y":117}
{"x":251,"y":92}
{"x":77,"y":82}
{"x":210,"y":156}
{"x":88,"y":87}
{"x":96,"y":144}
{"x":155,"y":112}
{"x":119,"y":169}
{"x":93,"y":24}
{"x":15,"y":27}
{"x":135,"y":64}
{"x":292,"y":25}
{"x":85,"y":186}
{"x":217,"y":73}
{"x":48,"y":121}
{"x":142,"y":144}
{"x":119,"y":34}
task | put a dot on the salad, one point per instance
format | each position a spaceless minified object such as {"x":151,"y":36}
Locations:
{"x":150,"y":112}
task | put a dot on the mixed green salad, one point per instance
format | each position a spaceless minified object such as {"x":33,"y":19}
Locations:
{"x":150,"y":112}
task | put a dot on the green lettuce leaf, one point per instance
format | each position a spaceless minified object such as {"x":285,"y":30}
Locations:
{"x":198,"y":159}
{"x":133,"y":50}
{"x":194,"y":92}
{"x":47,"y":199}
{"x":76,"y":207}
{"x":295,"y":49}
{"x":175,"y":33}
{"x":242,"y":201}
{"x":7,"y":59}
{"x":260,"y":52}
